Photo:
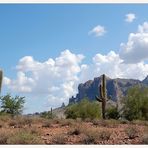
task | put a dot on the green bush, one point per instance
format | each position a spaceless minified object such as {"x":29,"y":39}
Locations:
{"x":12,"y":105}
{"x":136,"y":103}
{"x":47,"y":115}
{"x":112,"y":113}
{"x":84,"y":109}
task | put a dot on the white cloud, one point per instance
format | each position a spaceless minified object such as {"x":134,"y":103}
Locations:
{"x":130,"y":17}
{"x":136,"y":48}
{"x":98,"y":31}
{"x":57,"y":78}
{"x":112,"y":65}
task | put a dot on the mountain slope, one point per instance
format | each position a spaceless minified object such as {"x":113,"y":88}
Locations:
{"x":116,"y":88}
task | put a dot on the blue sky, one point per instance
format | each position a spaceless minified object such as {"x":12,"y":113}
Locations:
{"x":44,"y":31}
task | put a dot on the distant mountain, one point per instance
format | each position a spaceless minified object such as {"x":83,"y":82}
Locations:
{"x":145,"y":81}
{"x":116,"y":88}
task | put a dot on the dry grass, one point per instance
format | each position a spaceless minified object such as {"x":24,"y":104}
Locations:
{"x":24,"y":137}
{"x":101,"y":122}
{"x":4,"y":135}
{"x":104,"y":135}
{"x":91,"y":135}
{"x":76,"y":129}
{"x":131,"y":132}
{"x":140,"y":122}
{"x":12,"y":123}
{"x":145,"y":138}
{"x":59,"y":139}
{"x":67,"y":122}
{"x":47,"y":124}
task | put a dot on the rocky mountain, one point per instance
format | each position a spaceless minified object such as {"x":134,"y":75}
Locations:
{"x":116,"y":88}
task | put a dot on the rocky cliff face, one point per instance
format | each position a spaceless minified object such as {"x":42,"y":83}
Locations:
{"x":116,"y":88}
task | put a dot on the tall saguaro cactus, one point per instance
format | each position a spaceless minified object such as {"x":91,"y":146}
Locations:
{"x":103,"y":95}
{"x":1,"y":78}
{"x":51,"y":112}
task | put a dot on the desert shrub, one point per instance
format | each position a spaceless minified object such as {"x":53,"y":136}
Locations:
{"x":88,"y":120}
{"x":91,"y":135}
{"x":12,"y":123}
{"x":104,"y":135}
{"x":100,"y":122}
{"x":4,"y":135}
{"x":47,"y":124}
{"x":56,"y":121}
{"x":124,"y":121}
{"x":135,"y":103}
{"x":140,"y":122}
{"x":131,"y":132}
{"x":37,"y":120}
{"x":67,"y":122}
{"x":4,"y":117}
{"x":47,"y":115}
{"x":145,"y":138}
{"x":24,"y":137}
{"x":84,"y":109}
{"x":112,"y":123}
{"x":112,"y":113}
{"x":95,"y":122}
{"x":59,"y":139}
{"x":26,"y":120}
{"x":76,"y":129}
{"x":34,"y":130}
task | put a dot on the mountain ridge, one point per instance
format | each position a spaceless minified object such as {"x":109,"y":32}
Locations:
{"x":116,"y":88}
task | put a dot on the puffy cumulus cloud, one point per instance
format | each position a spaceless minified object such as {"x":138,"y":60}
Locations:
{"x":130,"y":17}
{"x":112,"y":65}
{"x":21,"y":84}
{"x":136,"y":48}
{"x":57,"y":77}
{"x":56,"y":80}
{"x":98,"y":31}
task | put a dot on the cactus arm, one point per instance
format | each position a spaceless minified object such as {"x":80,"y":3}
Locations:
{"x":98,"y":99}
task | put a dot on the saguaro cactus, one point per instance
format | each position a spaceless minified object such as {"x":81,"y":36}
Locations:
{"x":1,"y":78}
{"x":103,"y":95}
{"x":51,"y":112}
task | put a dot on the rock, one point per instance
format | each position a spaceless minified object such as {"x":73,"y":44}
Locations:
{"x":116,"y":88}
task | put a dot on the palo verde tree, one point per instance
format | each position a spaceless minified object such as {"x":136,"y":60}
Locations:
{"x":12,"y":105}
{"x":103,"y":96}
{"x":136,"y":103}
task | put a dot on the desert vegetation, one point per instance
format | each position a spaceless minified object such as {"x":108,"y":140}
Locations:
{"x":86,"y":122}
